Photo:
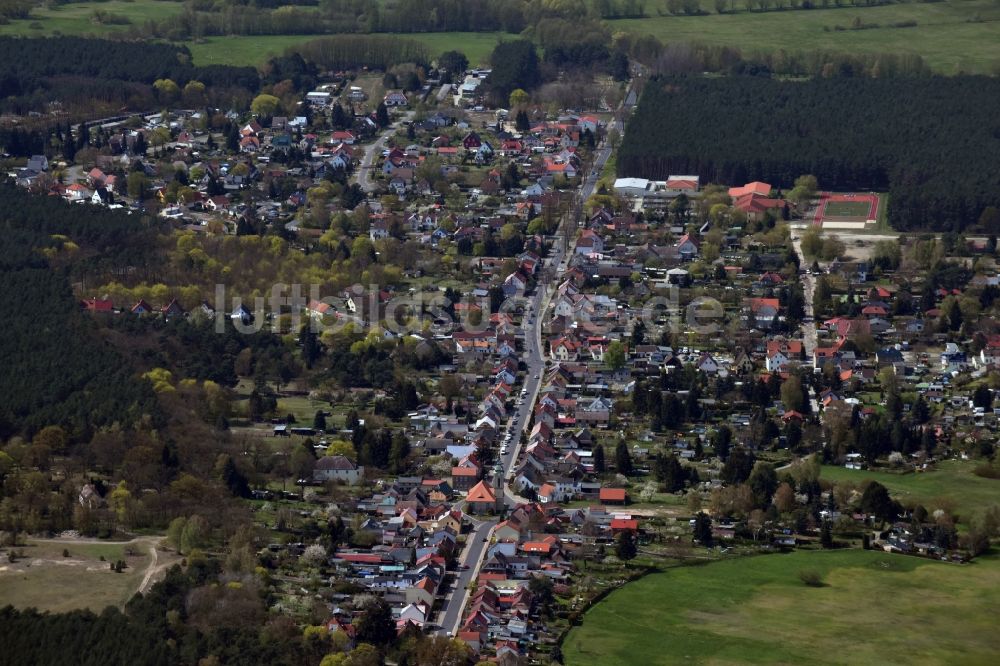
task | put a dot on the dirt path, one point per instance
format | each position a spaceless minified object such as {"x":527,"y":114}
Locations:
{"x":150,"y":570}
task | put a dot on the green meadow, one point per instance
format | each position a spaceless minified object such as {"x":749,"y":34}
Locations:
{"x":873,"y":608}
{"x":952,"y":36}
{"x":77,"y":18}
{"x":952,"y":486}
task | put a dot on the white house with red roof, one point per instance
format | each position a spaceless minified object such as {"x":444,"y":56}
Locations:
{"x":343,"y":136}
{"x":782,"y":352}
{"x":676,"y":185}
{"x":76,"y":192}
{"x":764,"y":310}
{"x":989,"y":356}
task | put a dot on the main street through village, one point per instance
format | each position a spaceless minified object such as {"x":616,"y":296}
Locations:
{"x":479,"y":537}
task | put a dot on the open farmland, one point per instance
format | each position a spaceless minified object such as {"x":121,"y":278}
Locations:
{"x":872,"y":608}
{"x":953,"y":36}
{"x":78,"y":18}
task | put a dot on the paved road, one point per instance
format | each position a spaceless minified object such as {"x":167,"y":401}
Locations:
{"x":534,"y":358}
{"x":476,"y":544}
{"x":810,"y":339}
{"x":364,"y":173}
{"x":475,"y":550}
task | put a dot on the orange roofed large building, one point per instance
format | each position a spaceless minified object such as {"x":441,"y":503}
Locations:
{"x":756,"y":187}
{"x":482,"y":499}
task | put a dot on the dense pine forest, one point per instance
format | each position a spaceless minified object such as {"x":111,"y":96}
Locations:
{"x":57,"y":370}
{"x":932,"y":143}
{"x":24,"y":59}
{"x":119,"y":73}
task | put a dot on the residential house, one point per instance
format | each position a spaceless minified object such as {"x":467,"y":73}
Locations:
{"x":395,"y":98}
{"x":589,"y":243}
{"x":337,"y":468}
{"x":763,"y":311}
{"x":687,"y":247}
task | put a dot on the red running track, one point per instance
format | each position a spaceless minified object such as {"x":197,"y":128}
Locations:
{"x":826,"y":197}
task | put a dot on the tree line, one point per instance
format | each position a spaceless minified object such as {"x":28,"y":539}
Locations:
{"x":689,"y":58}
{"x":355,"y":51}
{"x":359,"y":16}
{"x":929,"y":142}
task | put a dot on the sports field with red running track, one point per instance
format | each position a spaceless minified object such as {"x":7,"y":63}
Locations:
{"x":826,"y":198}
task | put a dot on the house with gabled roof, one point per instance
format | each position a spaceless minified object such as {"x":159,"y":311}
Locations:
{"x":395,"y":98}
{"x":589,"y":243}
{"x":687,"y":247}
{"x":507,"y":530}
{"x":515,"y":284}
{"x":764,"y":310}
{"x":596,"y":411}
{"x":172,"y":309}
{"x":142,"y":308}
{"x":706,"y":363}
{"x":422,"y":592}
{"x":337,"y":468}
{"x":97,"y":305}
{"x":780,"y":352}
{"x":471,"y":141}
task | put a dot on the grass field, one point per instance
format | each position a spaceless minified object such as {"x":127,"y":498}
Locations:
{"x":951,"y":485}
{"x":75,"y":19}
{"x":46,"y":580}
{"x":947,"y":34}
{"x":304,"y":410}
{"x":873,"y":608}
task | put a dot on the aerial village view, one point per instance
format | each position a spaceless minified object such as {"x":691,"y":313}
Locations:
{"x":423,"y":332}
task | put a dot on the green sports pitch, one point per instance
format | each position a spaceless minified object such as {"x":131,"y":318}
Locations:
{"x":847,"y":209}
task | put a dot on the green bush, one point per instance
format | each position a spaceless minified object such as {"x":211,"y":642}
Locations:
{"x":811,"y":578}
